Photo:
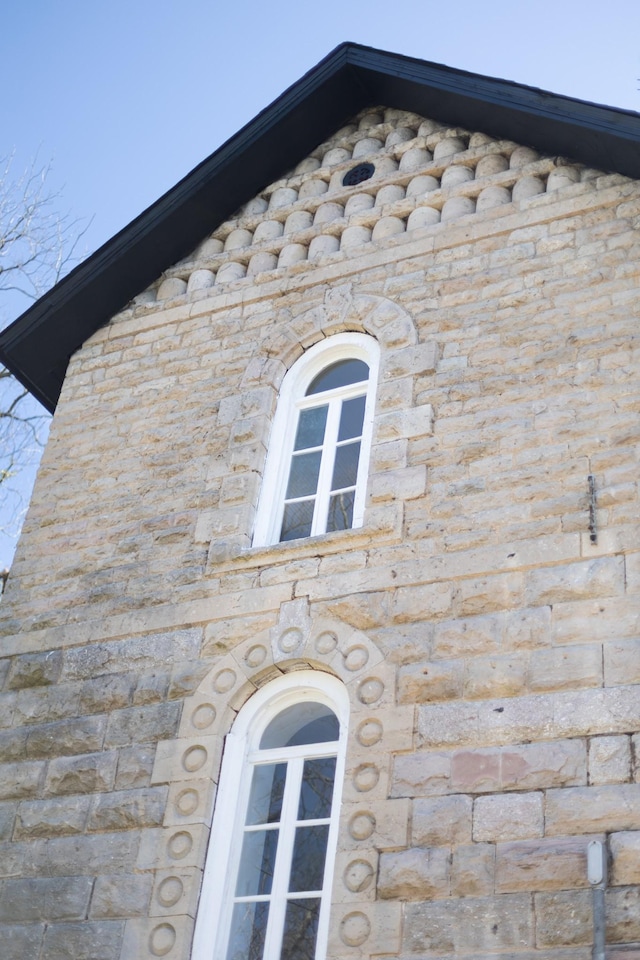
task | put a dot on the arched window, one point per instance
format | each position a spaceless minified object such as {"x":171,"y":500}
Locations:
{"x":266,"y":887}
{"x":316,"y":472}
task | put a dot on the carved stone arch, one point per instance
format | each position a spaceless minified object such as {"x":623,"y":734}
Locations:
{"x":190,"y":765}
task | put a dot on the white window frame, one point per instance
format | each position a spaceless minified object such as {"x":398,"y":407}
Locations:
{"x":342,"y":346}
{"x":217,"y":895}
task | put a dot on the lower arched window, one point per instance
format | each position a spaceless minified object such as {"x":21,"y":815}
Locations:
{"x":267,"y":881}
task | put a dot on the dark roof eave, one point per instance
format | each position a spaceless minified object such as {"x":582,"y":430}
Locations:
{"x":36,"y":347}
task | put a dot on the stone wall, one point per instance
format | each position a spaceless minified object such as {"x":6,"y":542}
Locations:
{"x":501,"y":642}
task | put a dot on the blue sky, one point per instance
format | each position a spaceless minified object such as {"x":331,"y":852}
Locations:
{"x":127,"y":96}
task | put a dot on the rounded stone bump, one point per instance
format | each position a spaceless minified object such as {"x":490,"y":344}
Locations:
{"x":358,"y":876}
{"x":282,"y":197}
{"x":238,"y":239}
{"x":369,"y":732}
{"x":180,"y":845}
{"x":170,"y":891}
{"x":326,"y":643}
{"x":354,"y":237}
{"x":260,"y":262}
{"x":387,"y":227}
{"x":423,"y":217}
{"x":356,"y":657}
{"x":308,"y":165}
{"x":371,"y":119}
{"x":366,"y":146}
{"x":527,"y":187}
{"x":414,"y":159}
{"x":290,"y":639}
{"x":384,"y":167}
{"x":447,"y":147}
{"x":255,"y":656}
{"x":171,"y":287}
{"x":399,"y":135}
{"x":370,"y":690}
{"x":366,"y":777}
{"x":194,"y":759}
{"x":421,"y":185}
{"x":357,"y":203}
{"x":493,"y":163}
{"x":267,"y":230}
{"x":355,"y":929}
{"x":313,"y":188}
{"x":187,"y":802}
{"x":203,"y":716}
{"x":493,"y":197}
{"x":200,"y":280}
{"x":292,"y":253}
{"x":562,"y":177}
{"x":298,"y":220}
{"x":389,"y":194}
{"x":147,"y":296}
{"x":255,"y":206}
{"x":327,"y":212}
{"x":455,"y":175}
{"x":362,"y":825}
{"x":162,"y":939}
{"x":230,"y":271}
{"x":457,"y":207}
{"x":427,"y":127}
{"x":209,"y":248}
{"x":224,"y":680}
{"x":323,"y":246}
{"x":335,"y":155}
{"x":345,"y":131}
{"x":521,"y":156}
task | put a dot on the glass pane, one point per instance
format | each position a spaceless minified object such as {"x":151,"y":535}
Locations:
{"x":301,"y":723}
{"x":296,"y":521}
{"x":311,"y":424}
{"x":317,"y":788}
{"x":248,"y":928}
{"x":300,"y":929}
{"x":345,"y":468}
{"x":352,"y":418}
{"x":339,"y":375}
{"x":341,"y":511}
{"x":303,"y":478}
{"x":309,"y":852}
{"x":256,"y":862}
{"x":267,"y":788}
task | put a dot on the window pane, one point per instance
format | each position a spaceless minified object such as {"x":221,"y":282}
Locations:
{"x":311,"y":424}
{"x":352,"y":418}
{"x":303,"y":478}
{"x":296,"y":521}
{"x":300,"y":929}
{"x":267,"y":788}
{"x":301,"y":723}
{"x":339,"y":375}
{"x":341,"y":511}
{"x":309,"y":852}
{"x":248,"y":928}
{"x":257,"y":860}
{"x":317,"y":788}
{"x":345,"y":468}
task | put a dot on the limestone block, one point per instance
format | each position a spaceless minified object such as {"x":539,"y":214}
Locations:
{"x":403,"y":484}
{"x":323,"y":246}
{"x":189,"y":803}
{"x":563,"y":918}
{"x":238,"y":239}
{"x":456,"y":174}
{"x":625,"y":858}
{"x":313,"y":188}
{"x":422,"y":185}
{"x":423,"y":217}
{"x":355,"y":237}
{"x":488,"y":594}
{"x":438,"y":680}
{"x":364,"y":929}
{"x":171,"y":287}
{"x":493,"y":197}
{"x":142,"y":724}
{"x":621,"y":662}
{"x":260,"y":262}
{"x":157,"y":937}
{"x":118,"y":896}
{"x":21,"y":940}
{"x":527,"y":187}
{"x":586,"y":579}
{"x":187,"y":759}
{"x":397,"y":424}
{"x":134,"y":767}
{"x":230,"y":271}
{"x":19,"y":780}
{"x":366,"y":146}
{"x":128,"y":809}
{"x":447,"y":147}
{"x":282,"y":197}
{"x":409,"y":361}
{"x":515,"y":816}
{"x":442,"y":821}
{"x":467,"y":636}
{"x":414,"y":874}
{"x":521,"y":157}
{"x":173,"y":848}
{"x":355,"y":876}
{"x":89,"y":773}
{"x":469,"y":926}
{"x":421,"y":602}
{"x":292,"y":253}
{"x":336,"y":155}
{"x":34,"y":670}
{"x":623,"y":915}
{"x":357,"y":203}
{"x":566,"y":668}
{"x":496,"y":677}
{"x":592,"y":809}
{"x":609,"y":760}
{"x":267,"y":230}
{"x":377,"y":825}
{"x":389,"y":194}
{"x":414,"y":159}
{"x":84,"y":940}
{"x":490,"y":164}
{"x":544,"y":864}
{"x":473,"y":870}
{"x":44,"y":898}
{"x":457,"y":207}
{"x":176,"y":891}
{"x":387,"y":227}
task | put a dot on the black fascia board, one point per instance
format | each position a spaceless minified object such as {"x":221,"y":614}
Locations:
{"x":37,"y":346}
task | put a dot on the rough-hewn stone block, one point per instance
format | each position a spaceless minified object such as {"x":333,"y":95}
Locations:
{"x":442,"y":820}
{"x":592,"y":809}
{"x":514,"y":816}
{"x":545,"y":864}
{"x":416,"y":874}
{"x":469,"y":925}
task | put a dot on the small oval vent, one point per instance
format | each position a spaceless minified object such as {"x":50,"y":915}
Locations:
{"x":364,"y":171}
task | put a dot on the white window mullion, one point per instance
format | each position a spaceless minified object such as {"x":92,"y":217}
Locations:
{"x":284,"y":856}
{"x":321,"y":510}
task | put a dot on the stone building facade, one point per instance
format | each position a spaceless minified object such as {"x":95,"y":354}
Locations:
{"x":482,"y":620}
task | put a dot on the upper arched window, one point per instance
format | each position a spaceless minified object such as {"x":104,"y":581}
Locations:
{"x":316,"y":471}
{"x":267,"y":880}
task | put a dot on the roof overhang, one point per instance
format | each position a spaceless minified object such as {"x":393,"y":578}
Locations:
{"x":37,"y":346}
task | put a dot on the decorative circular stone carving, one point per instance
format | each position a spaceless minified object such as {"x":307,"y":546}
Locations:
{"x":362,"y":825}
{"x":358,"y":876}
{"x":187,"y":802}
{"x":194,"y":759}
{"x":203,"y":716}
{"x":326,"y":643}
{"x":354,"y":929}
{"x":370,"y":690}
{"x":356,"y":658}
{"x":162,"y":939}
{"x":369,"y":732}
{"x":180,"y":845}
{"x":170,"y":891}
{"x":256,"y":655}
{"x":290,"y":639}
{"x":224,"y":681}
{"x":366,"y":777}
